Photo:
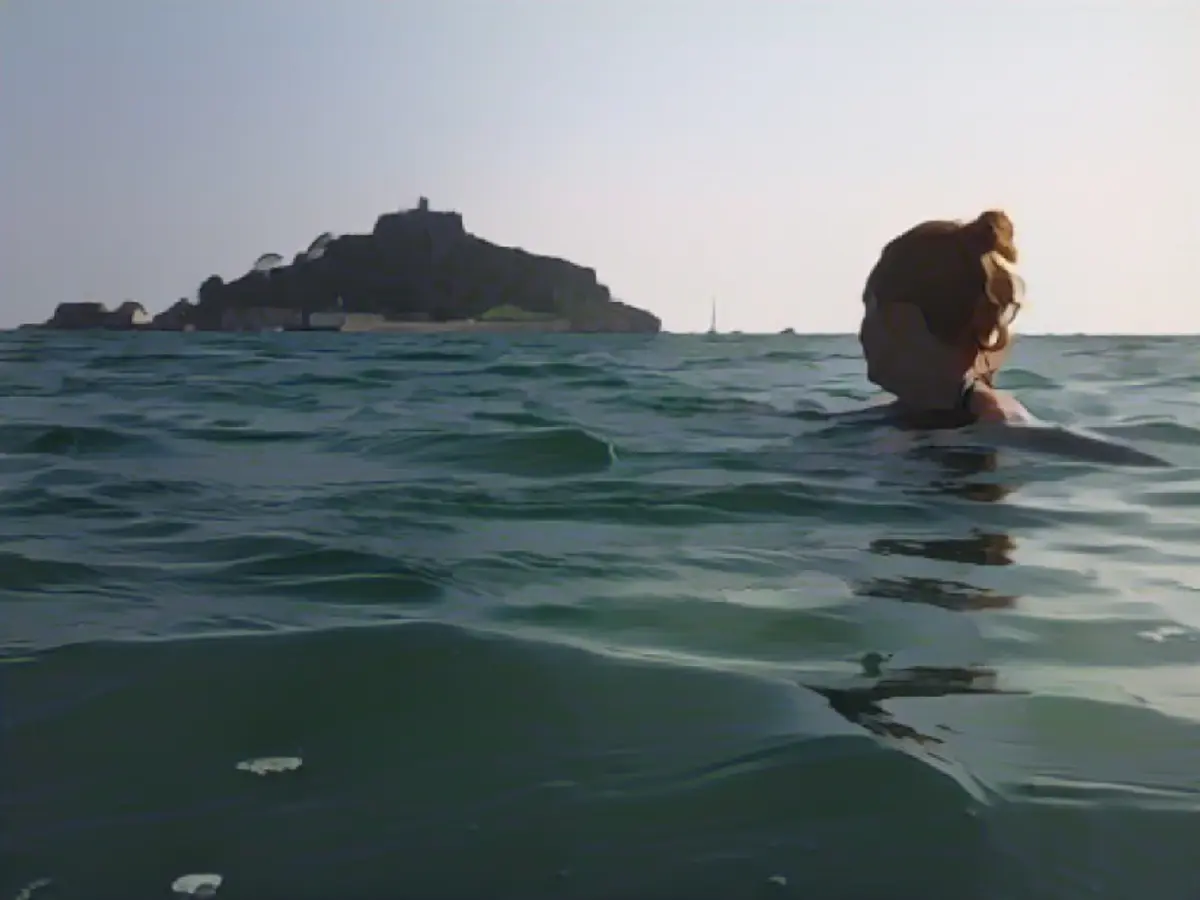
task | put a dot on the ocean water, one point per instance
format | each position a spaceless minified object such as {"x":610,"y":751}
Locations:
{"x":588,"y":617}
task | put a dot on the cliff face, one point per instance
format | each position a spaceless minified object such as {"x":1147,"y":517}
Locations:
{"x":416,"y":265}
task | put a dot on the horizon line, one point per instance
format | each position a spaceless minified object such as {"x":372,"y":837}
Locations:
{"x":705,"y":333}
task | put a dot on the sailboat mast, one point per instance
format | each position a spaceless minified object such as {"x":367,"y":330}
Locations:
{"x":712,"y":327}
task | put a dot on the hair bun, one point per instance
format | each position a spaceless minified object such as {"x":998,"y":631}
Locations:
{"x":992,"y":232}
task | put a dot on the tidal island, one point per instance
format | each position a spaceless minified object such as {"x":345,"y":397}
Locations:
{"x":419,"y":270}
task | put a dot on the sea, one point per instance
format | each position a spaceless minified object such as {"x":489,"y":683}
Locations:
{"x":658,"y":617}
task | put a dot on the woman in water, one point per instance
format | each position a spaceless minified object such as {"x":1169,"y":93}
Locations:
{"x":936,"y":328}
{"x":939,"y":306}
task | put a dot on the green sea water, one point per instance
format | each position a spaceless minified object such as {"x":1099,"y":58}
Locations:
{"x":589,"y":617}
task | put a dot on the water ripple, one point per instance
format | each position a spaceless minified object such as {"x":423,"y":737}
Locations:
{"x":677,"y":607}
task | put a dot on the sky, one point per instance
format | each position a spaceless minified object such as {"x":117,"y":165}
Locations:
{"x":759,"y":152}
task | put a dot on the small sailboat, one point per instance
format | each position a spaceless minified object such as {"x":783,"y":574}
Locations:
{"x":712,"y":327}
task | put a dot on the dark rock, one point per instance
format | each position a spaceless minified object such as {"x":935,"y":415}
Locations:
{"x":90,"y":315}
{"x":180,"y":316}
{"x":79,"y":315}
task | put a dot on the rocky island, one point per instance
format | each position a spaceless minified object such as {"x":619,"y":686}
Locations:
{"x":418,"y":270}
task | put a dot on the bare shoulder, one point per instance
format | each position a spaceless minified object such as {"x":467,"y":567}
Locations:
{"x":990,"y":405}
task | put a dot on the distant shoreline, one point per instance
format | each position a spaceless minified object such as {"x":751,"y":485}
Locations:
{"x":353,"y":325}
{"x":418,"y":271}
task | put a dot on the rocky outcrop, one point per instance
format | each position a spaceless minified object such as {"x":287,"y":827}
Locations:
{"x":177,"y":317}
{"x":418,"y":265}
{"x":90,"y":315}
{"x":613,"y":316}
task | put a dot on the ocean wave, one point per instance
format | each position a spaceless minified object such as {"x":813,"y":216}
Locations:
{"x":71,"y":440}
{"x":657,"y":777}
{"x":1159,"y":430}
{"x":587,"y":617}
{"x":552,"y":451}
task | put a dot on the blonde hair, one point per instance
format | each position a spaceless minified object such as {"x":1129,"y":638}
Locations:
{"x":959,"y":275}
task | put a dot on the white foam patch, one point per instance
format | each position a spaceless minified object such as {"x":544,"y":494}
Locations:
{"x":197,"y":885}
{"x":1159,"y":635}
{"x":32,"y":888}
{"x":269,"y":765}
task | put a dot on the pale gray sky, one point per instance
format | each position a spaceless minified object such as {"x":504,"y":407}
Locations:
{"x":756,"y":150}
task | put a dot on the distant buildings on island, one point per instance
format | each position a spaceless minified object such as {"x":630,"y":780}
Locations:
{"x":418,"y":270}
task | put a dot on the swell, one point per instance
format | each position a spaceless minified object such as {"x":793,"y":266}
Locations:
{"x":643,"y":782}
{"x":815,"y":647}
{"x":71,"y":440}
{"x":447,"y":758}
{"x":546,"y":451}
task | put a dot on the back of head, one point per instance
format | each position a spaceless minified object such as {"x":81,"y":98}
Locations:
{"x":959,"y":275}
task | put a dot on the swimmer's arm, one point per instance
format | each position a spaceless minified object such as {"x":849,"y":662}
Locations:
{"x":996,"y":407}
